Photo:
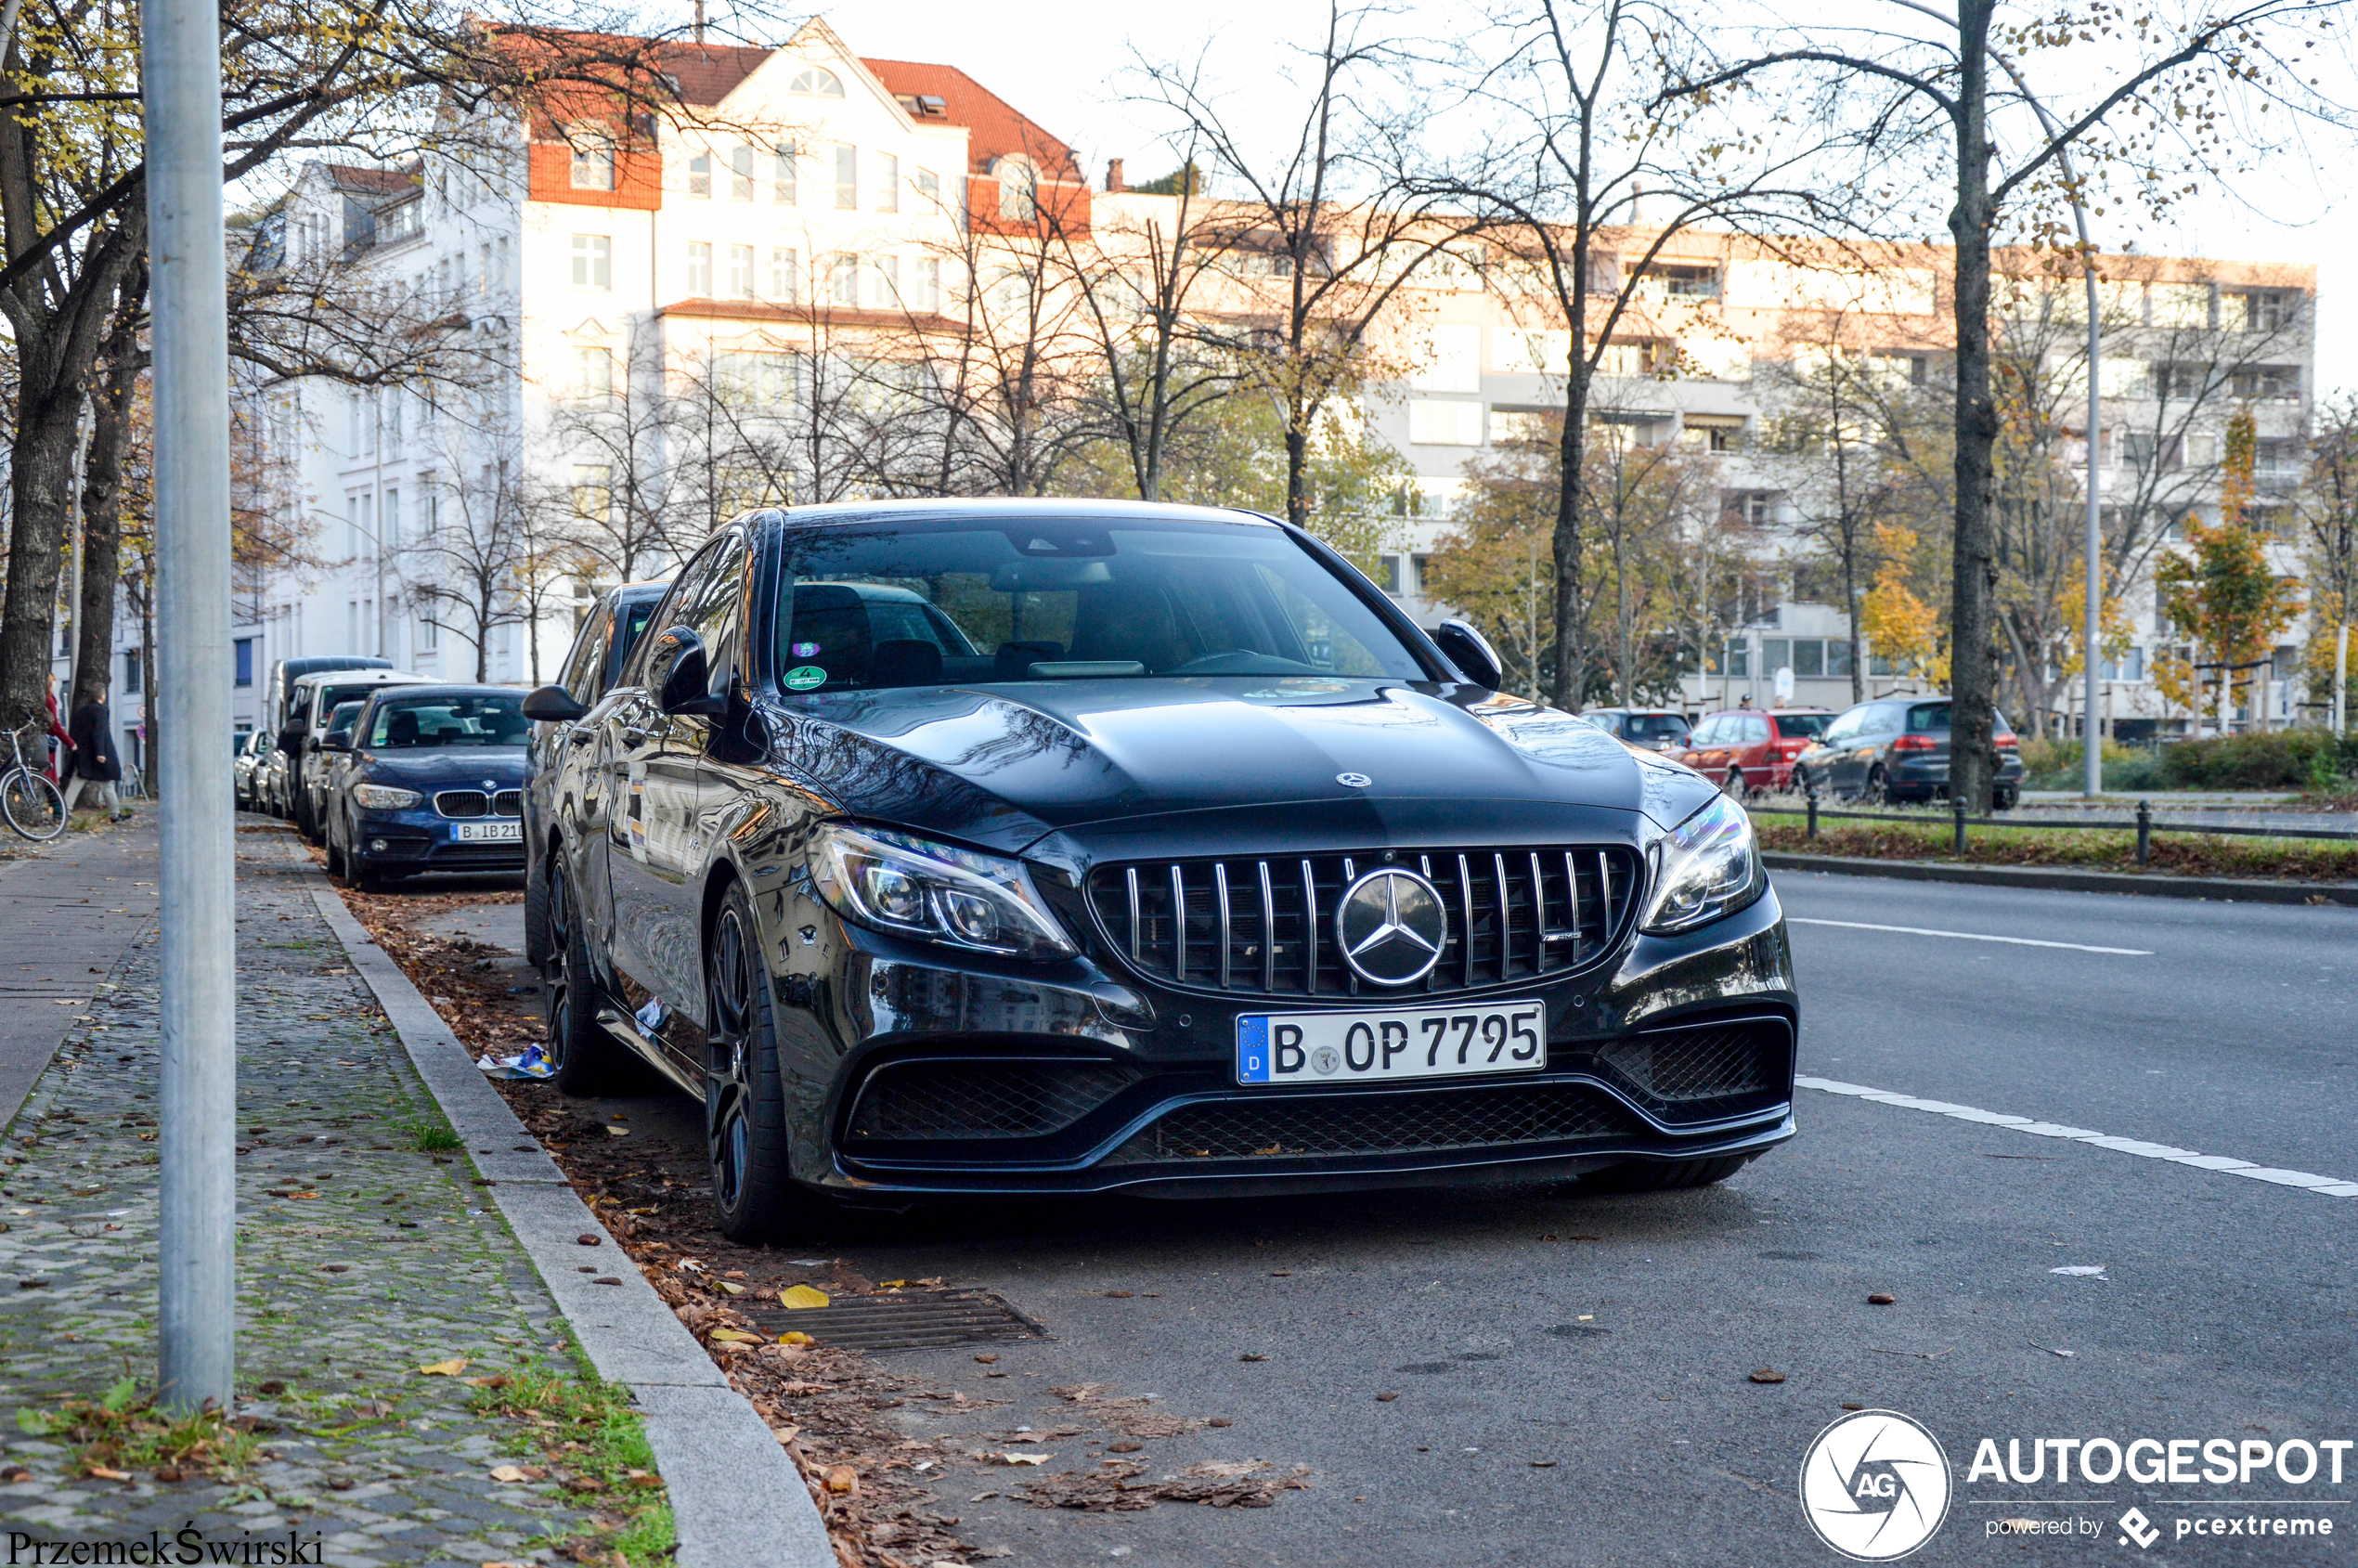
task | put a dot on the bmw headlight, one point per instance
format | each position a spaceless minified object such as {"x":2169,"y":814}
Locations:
{"x":385,"y":798}
{"x":914,"y":888}
{"x":1710,"y":867}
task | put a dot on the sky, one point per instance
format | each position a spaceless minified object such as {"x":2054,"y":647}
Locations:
{"x":1070,"y":63}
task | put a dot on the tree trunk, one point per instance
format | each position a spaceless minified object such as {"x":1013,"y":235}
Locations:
{"x":1568,"y":689}
{"x":102,"y":502}
{"x":1974,"y":569}
{"x":1850,"y":606}
{"x":1297,"y":472}
{"x":42,"y":467}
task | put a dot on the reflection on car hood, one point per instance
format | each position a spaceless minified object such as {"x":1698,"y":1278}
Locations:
{"x":1006,"y":765}
{"x":457,"y":767}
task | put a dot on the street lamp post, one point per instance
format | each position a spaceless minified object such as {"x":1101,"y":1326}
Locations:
{"x":181,"y":67}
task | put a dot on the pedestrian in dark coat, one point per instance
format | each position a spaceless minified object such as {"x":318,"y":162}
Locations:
{"x":95,"y":764}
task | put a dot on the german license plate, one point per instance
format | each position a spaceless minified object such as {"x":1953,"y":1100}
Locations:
{"x":1395,"y":1044}
{"x":488,"y":833}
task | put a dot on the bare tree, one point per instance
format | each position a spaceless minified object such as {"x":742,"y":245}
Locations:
{"x":1913,"y":82}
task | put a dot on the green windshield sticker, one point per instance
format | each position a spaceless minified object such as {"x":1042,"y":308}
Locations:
{"x":805,"y":676}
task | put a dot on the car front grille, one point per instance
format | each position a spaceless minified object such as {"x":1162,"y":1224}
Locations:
{"x":1491,"y":1115}
{"x":982,"y":1098}
{"x":1265,"y":927}
{"x":1701,"y":1061}
{"x":464,"y":803}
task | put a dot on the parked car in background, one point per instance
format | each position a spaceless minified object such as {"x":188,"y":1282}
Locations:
{"x":607,"y":635}
{"x":277,"y":708}
{"x":431,"y":778}
{"x":1036,"y":847}
{"x":253,"y":746}
{"x":1657,"y":729}
{"x":1748,"y":751}
{"x":1896,"y":749}
{"x":311,"y":698}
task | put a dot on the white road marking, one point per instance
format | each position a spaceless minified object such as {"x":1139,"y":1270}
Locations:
{"x":2329,"y":1186}
{"x":1970,"y":936}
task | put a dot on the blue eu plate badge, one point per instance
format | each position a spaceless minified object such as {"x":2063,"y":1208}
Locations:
{"x":1253,"y":1048}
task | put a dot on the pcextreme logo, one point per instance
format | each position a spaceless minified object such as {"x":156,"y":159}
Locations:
{"x":1875,"y":1486}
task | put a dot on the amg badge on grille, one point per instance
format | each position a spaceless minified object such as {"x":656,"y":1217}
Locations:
{"x":1391,"y":926}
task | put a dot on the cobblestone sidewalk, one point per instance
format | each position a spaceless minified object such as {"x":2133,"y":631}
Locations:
{"x":361,"y":1257}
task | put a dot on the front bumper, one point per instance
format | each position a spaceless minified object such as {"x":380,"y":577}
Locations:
{"x":963,"y":1082}
{"x":420,"y":839}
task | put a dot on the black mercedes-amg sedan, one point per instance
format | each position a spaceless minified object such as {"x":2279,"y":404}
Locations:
{"x":1022,"y":847}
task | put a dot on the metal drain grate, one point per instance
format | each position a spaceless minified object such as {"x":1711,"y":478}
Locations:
{"x":902,"y":1320}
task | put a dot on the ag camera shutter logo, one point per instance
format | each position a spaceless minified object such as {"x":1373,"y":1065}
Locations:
{"x":1875,"y":1486}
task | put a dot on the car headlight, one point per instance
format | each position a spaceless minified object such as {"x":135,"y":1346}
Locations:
{"x":1710,"y":867}
{"x":914,"y":888}
{"x":385,"y":798}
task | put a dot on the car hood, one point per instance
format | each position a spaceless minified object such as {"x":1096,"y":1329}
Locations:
{"x":1008,"y":766}
{"x":460,"y":767}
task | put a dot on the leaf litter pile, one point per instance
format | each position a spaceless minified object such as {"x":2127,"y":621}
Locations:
{"x":845,"y":1420}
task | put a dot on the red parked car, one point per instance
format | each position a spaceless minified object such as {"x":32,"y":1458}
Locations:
{"x":1750,"y":750}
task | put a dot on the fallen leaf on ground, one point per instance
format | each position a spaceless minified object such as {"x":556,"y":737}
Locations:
{"x":737,"y":1337}
{"x":731,"y":1289}
{"x":1386,"y":1396}
{"x":508,"y":1474}
{"x":1014,"y":1458}
{"x":1251,"y":1355}
{"x":1768,"y":1375}
{"x":103,"y":1474}
{"x":1542,"y":1464}
{"x":497,"y":1380}
{"x":796,"y":1337}
{"x":843,"y":1481}
{"x":786,"y":1434}
{"x":614,"y":1130}
{"x":801,"y":1296}
{"x":449,"y":1369}
{"x":1127,"y":1446}
{"x":1881,"y":1298}
{"x":986,"y":1360}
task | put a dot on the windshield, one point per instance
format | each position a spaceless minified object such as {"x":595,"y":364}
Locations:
{"x":339,"y":718}
{"x":333,"y":697}
{"x":927,"y":604}
{"x":1654,"y":727}
{"x":1803,"y":726}
{"x":488,"y":719}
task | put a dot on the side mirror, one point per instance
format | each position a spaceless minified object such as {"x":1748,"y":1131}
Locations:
{"x":686,"y":687}
{"x":552,"y":705}
{"x":1471,"y":653}
{"x":336,"y":740}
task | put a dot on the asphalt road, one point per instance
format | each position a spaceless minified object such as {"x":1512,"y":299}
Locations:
{"x":1614,"y":1336}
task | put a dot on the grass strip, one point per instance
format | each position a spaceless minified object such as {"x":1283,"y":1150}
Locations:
{"x":570,"y":1423}
{"x":2175,"y":852}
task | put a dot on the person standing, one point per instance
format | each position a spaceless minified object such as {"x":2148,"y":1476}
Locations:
{"x":61,"y":746}
{"x":96,"y":763}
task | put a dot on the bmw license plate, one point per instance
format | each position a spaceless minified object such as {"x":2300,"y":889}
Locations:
{"x":488,"y":833}
{"x":1395,"y":1044}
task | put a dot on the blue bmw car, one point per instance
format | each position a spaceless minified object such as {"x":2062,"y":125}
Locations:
{"x":431,"y":779}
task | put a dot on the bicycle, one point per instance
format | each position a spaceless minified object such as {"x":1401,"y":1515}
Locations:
{"x":33,"y":806}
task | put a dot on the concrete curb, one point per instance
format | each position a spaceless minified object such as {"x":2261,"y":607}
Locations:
{"x":736,"y":1498}
{"x":2228,"y":889}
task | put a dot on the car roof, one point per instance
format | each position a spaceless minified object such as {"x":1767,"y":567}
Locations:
{"x":348,"y":677}
{"x":456,"y":688}
{"x":994,"y":509}
{"x":634,"y":593}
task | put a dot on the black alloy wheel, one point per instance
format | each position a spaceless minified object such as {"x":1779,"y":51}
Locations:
{"x":755,"y":1197}
{"x":587,"y":1060}
{"x":1734,"y":784}
{"x":337,"y":864}
{"x":1878,"y":790}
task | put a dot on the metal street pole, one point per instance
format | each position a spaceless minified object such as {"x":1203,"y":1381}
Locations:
{"x":2341,"y":678}
{"x":180,"y":66}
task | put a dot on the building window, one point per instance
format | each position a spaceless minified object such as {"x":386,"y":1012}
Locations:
{"x":592,"y":373}
{"x":592,"y":159}
{"x":429,"y":628}
{"x":130,"y":670}
{"x":843,"y":281}
{"x":1434,"y":422}
{"x":1388,"y":573}
{"x":886,"y":280}
{"x":1019,"y":190}
{"x":592,"y":261}
{"x":782,"y":176}
{"x":245,"y":661}
{"x":700,"y":175}
{"x":740,"y":272}
{"x":2262,"y":310}
{"x":592,"y":491}
{"x":753,"y":381}
{"x":930,"y":186}
{"x":846,"y":175}
{"x":925,"y":290}
{"x":740,"y":173}
{"x":888,"y":183}
{"x":699,"y":269}
{"x":786,"y":275}
{"x":816,"y":83}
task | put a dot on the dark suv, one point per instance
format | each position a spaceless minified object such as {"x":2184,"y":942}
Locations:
{"x":1034,"y":847}
{"x":1896,"y":749}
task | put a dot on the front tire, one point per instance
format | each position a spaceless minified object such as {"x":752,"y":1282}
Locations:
{"x":1878,"y":790}
{"x":755,"y":1197}
{"x":338,"y":863}
{"x":34,"y":807}
{"x":1734,"y":785}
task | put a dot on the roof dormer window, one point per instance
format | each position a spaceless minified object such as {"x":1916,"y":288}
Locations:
{"x":815,"y":81}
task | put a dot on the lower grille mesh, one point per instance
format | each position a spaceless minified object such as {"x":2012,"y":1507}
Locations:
{"x":983,"y":1099}
{"x":1701,"y":1063}
{"x":1409,"y":1123}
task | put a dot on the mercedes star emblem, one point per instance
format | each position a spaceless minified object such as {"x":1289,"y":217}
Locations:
{"x":1391,"y":926}
{"x":1353,"y":781}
